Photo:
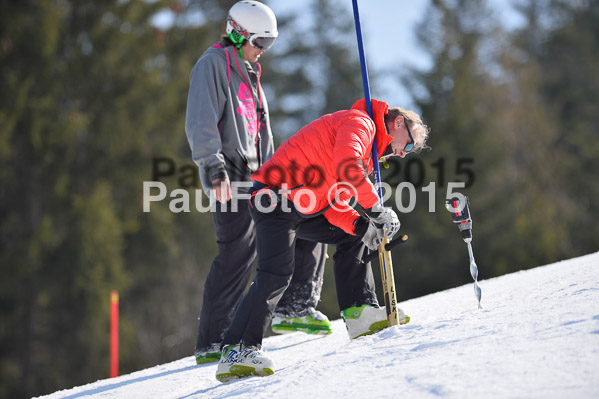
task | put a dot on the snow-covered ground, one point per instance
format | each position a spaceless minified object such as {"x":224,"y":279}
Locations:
{"x":537,"y":336}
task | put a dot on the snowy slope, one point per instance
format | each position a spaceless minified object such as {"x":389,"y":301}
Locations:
{"x":536,"y":337}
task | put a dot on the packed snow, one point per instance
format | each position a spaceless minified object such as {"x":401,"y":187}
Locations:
{"x":537,"y":336}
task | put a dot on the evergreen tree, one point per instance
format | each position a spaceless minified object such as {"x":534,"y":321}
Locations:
{"x":458,"y":99}
{"x":569,"y":84}
{"x":517,"y":106}
{"x":91,"y":92}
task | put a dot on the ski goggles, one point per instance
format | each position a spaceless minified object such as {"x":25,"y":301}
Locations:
{"x":261,"y":42}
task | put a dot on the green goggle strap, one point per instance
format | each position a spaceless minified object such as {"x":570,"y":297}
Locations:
{"x":237,"y":39}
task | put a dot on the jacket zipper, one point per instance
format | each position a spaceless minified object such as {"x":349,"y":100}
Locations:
{"x":258,"y":140}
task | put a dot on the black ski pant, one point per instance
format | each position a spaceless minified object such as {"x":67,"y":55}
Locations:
{"x":231,"y":270}
{"x":277,"y":234}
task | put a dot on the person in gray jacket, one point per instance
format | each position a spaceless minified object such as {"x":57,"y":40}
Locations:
{"x":228,"y":130}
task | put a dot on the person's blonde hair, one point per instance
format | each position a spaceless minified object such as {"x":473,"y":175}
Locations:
{"x":418,"y":129}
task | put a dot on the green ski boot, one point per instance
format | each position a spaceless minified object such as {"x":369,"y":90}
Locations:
{"x":208,"y":355}
{"x":367,"y":319}
{"x":312,"y":323}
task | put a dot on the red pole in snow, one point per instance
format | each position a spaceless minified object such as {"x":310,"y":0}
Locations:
{"x":114,"y":334}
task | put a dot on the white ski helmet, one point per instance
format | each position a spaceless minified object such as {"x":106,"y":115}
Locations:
{"x":254,"y":22}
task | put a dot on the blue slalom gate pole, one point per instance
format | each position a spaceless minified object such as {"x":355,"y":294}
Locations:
{"x":384,"y":254}
{"x":366,"y":84}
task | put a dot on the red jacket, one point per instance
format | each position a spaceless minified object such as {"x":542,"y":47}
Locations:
{"x":333,"y":149}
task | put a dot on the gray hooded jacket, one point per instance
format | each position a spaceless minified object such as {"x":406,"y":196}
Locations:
{"x":227,"y":117}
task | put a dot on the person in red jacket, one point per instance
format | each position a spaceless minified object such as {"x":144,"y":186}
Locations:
{"x":303,"y":191}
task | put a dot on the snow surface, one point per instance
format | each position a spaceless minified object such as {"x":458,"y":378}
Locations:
{"x":537,"y":336}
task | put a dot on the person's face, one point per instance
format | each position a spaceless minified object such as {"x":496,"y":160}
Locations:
{"x":401,"y":136}
{"x":251,"y":53}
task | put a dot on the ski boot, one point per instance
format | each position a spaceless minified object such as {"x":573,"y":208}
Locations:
{"x":208,"y":355}
{"x":367,"y":319}
{"x":239,"y":361}
{"x":314,"y":322}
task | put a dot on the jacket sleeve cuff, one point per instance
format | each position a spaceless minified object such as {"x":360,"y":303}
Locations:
{"x":217,"y":172}
{"x":360,"y":226}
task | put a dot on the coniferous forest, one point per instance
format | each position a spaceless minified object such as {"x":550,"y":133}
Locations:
{"x":92,"y":104}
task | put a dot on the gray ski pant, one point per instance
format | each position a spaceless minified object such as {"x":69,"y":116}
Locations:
{"x":231,"y":270}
